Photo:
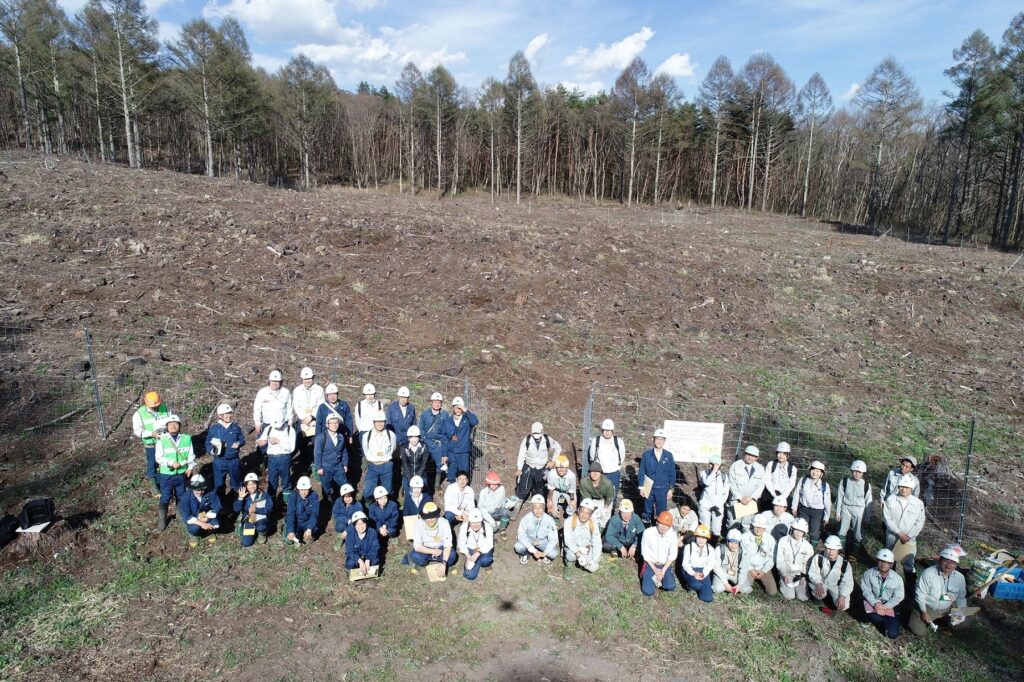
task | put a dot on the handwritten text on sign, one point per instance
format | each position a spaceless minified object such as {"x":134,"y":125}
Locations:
{"x":693,"y":441}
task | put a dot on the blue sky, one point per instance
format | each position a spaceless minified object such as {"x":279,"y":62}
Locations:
{"x":587,"y":42}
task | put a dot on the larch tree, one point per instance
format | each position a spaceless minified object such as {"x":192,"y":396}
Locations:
{"x":633,"y":103}
{"x":814,"y":104}
{"x":664,"y":99}
{"x":520,"y":88}
{"x":15,"y":27}
{"x":307,"y":92}
{"x":492,"y":101}
{"x":408,"y":89}
{"x":714,"y":97}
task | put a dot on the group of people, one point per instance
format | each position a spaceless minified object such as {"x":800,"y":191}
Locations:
{"x":752,"y":524}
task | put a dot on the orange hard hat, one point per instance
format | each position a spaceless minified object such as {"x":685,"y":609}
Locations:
{"x":152,"y":399}
{"x":665,"y":518}
{"x":492,"y":478}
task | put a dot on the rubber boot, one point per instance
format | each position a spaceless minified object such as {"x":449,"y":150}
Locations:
{"x":338,"y":542}
{"x":163,"y":518}
{"x":568,"y":571}
{"x":261,"y":538}
{"x":503,"y":524}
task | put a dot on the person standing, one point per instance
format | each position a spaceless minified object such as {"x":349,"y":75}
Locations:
{"x":332,"y":405}
{"x":271,"y":400}
{"x":224,"y":440}
{"x":379,"y":449}
{"x":415,"y":458}
{"x":537,"y":453}
{"x":714,"y":495}
{"x":780,"y":477}
{"x":812,"y":501}
{"x":906,"y":467}
{"x":607,"y":452}
{"x":306,"y":400}
{"x":746,"y":483}
{"x":436,"y":430}
{"x":330,"y":457}
{"x":175,"y":460}
{"x":144,"y":426}
{"x":401,"y":415}
{"x":903,"y":514}
{"x":278,"y":440}
{"x":853,"y":508}
{"x":657,"y":477}
{"x":460,"y":450}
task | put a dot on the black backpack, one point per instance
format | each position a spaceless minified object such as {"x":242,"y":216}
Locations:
{"x":547,"y":441}
{"x":39,"y":510}
{"x":618,"y":448}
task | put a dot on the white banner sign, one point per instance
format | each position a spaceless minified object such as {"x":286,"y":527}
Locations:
{"x":693,"y":441}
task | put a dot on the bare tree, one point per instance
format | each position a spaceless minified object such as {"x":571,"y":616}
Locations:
{"x":714,"y":95}
{"x":519,"y":88}
{"x":633,"y":103}
{"x":814,"y":104}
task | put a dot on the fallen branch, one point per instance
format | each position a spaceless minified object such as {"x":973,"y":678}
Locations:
{"x":54,"y":421}
{"x":1015,"y":262}
{"x":206,"y":307}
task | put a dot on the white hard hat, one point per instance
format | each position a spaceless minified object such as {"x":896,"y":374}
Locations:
{"x":403,"y":391}
{"x":416,"y":482}
{"x":358,"y":516}
{"x":333,"y":416}
{"x":626,"y":505}
{"x":537,"y":499}
{"x":799,"y":524}
{"x":172,"y":418}
{"x":779,"y":501}
{"x":734,"y":535}
{"x":475,"y":516}
{"x":953,"y":552}
{"x":906,"y":481}
{"x":224,"y":408}
{"x":457,"y":401}
{"x":714,"y":459}
{"x":331,"y":388}
{"x":304,"y":483}
{"x":537,"y":428}
{"x":859,"y":465}
{"x":752,"y":450}
{"x":274,"y":376}
{"x":251,"y":477}
{"x":817,"y":465}
{"x":379,"y":416}
{"x":197,"y":481}
{"x":909,"y":458}
{"x":759,"y":521}
{"x":414,"y":431}
{"x":380,"y":491}
{"x":589,"y":504}
{"x":306,"y":373}
{"x":436,"y":396}
{"x":607,"y":425}
{"x":659,"y":433}
{"x":833,"y":542}
{"x":369,"y":389}
{"x":346,"y":490}
{"x":885,"y":555}
{"x":782,"y":447}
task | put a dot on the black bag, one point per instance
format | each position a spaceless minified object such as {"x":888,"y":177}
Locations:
{"x":39,"y":510}
{"x":8,"y":526}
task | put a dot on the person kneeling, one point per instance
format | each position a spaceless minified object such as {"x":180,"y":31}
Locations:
{"x":476,"y":541}
{"x":728,"y":576}
{"x":700,"y":562}
{"x":362,"y":548}
{"x":432,"y":542}
{"x":303,"y":513}
{"x":255,"y":506}
{"x":791,"y":556}
{"x":537,"y":535}
{"x":883,"y":591}
{"x":582,"y":540}
{"x":831,"y":575}
{"x":345,"y":507}
{"x":198,"y":509}
{"x":659,"y":549}
{"x":622,"y":537}
{"x":940,"y":597}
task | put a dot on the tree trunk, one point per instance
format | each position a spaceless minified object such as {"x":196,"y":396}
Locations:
{"x":438,"y":98}
{"x":132,"y":152}
{"x":519,"y":146}
{"x":714,"y":165}
{"x":24,"y":97}
{"x":753,"y":156}
{"x":632,"y":159}
{"x":206,"y":125}
{"x":807,"y":171}
{"x":99,"y":111}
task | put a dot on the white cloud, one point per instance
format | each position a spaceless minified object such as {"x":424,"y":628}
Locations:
{"x":536,"y":45}
{"x":365,"y":5}
{"x":587,"y":88}
{"x":70,"y":7}
{"x":851,"y":92}
{"x":276,"y":21}
{"x":153,"y":6}
{"x":167,"y":31}
{"x":677,"y":66}
{"x":615,"y":56}
{"x":268,"y":62}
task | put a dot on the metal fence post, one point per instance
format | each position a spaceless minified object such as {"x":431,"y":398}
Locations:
{"x":588,"y":425}
{"x":336,"y":377}
{"x":465,"y":391}
{"x":967,"y":473}
{"x":95,"y":386}
{"x":743,"y":428}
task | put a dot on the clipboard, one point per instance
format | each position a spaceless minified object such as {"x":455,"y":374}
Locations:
{"x":648,"y":485}
{"x":901,"y":550}
{"x":355,"y":575}
{"x":744,"y":510}
{"x":436,"y":572}
{"x":409,"y":524}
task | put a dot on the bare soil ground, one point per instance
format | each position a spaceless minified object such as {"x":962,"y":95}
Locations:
{"x":535,"y":304}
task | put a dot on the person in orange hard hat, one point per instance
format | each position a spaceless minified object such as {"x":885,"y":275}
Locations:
{"x":659,"y":550}
{"x":144,"y":426}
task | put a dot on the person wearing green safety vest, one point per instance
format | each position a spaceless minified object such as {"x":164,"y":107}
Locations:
{"x":144,"y":426}
{"x":175,"y":459}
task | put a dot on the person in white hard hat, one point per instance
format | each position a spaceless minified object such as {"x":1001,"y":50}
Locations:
{"x":791,"y":556}
{"x":333,"y":405}
{"x":175,"y":460}
{"x":728,"y":576}
{"x":253,"y":507}
{"x":277,"y":440}
{"x":537,"y":536}
{"x":330,"y":457}
{"x":366,"y":410}
{"x":622,"y":537}
{"x":306,"y":399}
{"x":362,"y":547}
{"x":883,"y":591}
{"x":460,"y":445}
{"x":379,"y":449}
{"x":582,"y":539}
{"x":415,"y":458}
{"x":303,"y":513}
{"x":199,"y":509}
{"x":903,"y":514}
{"x":853,"y":508}
{"x":383,"y":514}
{"x":659,"y":551}
{"x":561,"y":484}
{"x":905,"y":468}
{"x":812,"y":501}
{"x":476,"y":543}
{"x":273,"y":399}
{"x":401,"y":415}
{"x":223,"y":440}
{"x":830,"y":575}
{"x":714,"y":493}
{"x":780,"y":476}
{"x":607,"y":452}
{"x":657,"y":477}
{"x":940,"y":594}
{"x":778,"y":519}
{"x":415,"y":498}
{"x":759,"y":552}
{"x":746,"y":483}
{"x":537,"y":454}
{"x":436,"y":431}
{"x":459,"y":498}
{"x":345,"y":507}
